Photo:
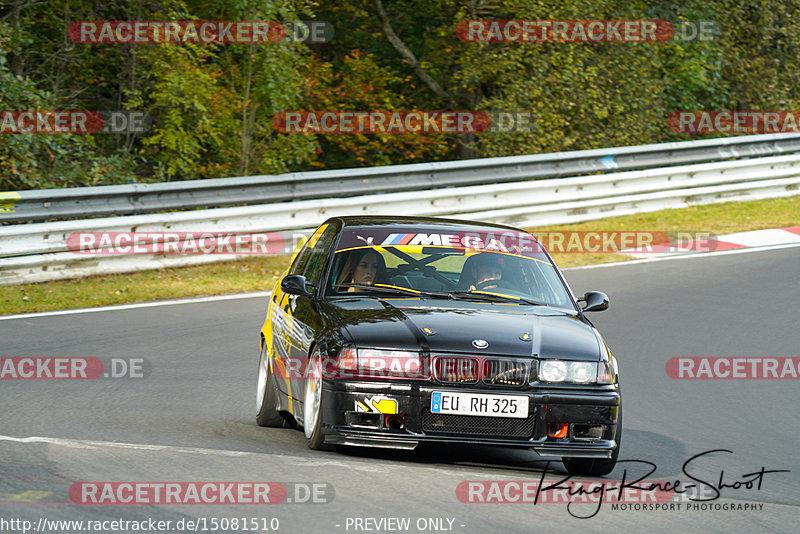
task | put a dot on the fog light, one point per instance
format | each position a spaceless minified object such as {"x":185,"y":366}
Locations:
{"x":557,"y":430}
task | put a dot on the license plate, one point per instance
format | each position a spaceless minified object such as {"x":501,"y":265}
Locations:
{"x":449,"y":402}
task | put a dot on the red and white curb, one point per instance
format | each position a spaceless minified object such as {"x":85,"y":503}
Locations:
{"x":740,"y":240}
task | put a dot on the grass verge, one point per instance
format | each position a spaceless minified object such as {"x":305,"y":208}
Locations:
{"x":258,"y":273}
{"x":718,"y":219}
{"x":261,"y":273}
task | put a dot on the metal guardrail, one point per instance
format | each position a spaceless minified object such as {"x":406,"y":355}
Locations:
{"x":85,"y":202}
{"x":38,"y":251}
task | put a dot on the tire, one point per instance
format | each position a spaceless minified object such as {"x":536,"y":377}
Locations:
{"x":596,"y":467}
{"x":312,"y":406}
{"x":267,"y":395}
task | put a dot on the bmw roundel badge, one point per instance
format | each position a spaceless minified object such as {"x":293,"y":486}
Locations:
{"x":480,"y":343}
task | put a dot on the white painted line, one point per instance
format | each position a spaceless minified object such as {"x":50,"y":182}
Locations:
{"x":89,"y":444}
{"x":301,"y":461}
{"x":313,"y":460}
{"x":692,"y":255}
{"x":674,"y":251}
{"x":193,"y":300}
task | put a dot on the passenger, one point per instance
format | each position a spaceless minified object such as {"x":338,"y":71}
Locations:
{"x":364,"y":267}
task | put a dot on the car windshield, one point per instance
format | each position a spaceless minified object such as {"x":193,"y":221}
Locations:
{"x":508,"y":265}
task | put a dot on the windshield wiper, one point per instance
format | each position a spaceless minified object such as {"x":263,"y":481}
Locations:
{"x":385,"y":288}
{"x":494,"y":297}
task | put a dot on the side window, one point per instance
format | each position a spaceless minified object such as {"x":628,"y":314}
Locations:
{"x":318,"y":253}
{"x":300,"y":262}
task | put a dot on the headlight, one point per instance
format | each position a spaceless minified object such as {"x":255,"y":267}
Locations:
{"x":553,"y":371}
{"x":576,"y":372}
{"x":582,"y":372}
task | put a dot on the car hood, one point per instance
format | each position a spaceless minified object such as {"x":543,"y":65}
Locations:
{"x":451,"y":326}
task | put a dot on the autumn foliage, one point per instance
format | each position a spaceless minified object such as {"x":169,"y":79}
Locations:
{"x":214,"y":104}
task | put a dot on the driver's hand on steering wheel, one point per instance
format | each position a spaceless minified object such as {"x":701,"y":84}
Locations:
{"x":485,"y":284}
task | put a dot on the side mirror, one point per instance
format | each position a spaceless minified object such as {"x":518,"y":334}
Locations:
{"x":595,"y":301}
{"x":295,"y":284}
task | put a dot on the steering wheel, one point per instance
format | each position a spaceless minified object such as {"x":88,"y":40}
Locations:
{"x":496,"y":283}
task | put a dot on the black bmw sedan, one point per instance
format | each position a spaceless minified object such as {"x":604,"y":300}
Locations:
{"x":392,"y":331}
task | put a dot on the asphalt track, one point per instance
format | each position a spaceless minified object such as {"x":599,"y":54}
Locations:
{"x":192,"y":418}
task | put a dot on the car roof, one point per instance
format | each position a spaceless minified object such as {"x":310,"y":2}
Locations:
{"x":389,"y":221}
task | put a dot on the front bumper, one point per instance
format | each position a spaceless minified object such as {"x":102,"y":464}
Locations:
{"x":591,"y":414}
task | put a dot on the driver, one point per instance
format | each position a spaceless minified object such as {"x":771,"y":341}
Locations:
{"x":485,"y":267}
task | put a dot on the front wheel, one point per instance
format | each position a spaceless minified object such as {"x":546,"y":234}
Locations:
{"x":267,"y":395}
{"x":596,"y":467}
{"x":312,"y":405}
